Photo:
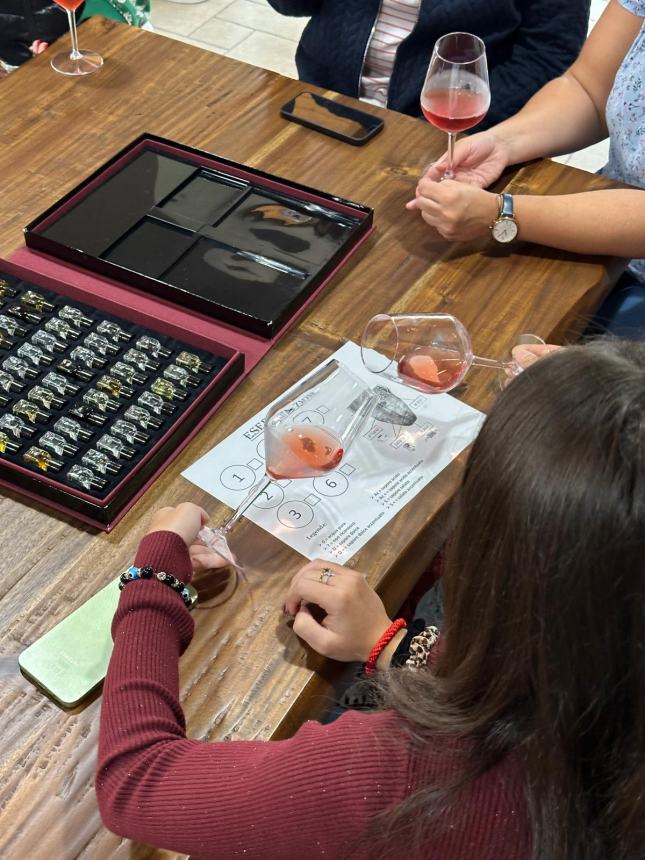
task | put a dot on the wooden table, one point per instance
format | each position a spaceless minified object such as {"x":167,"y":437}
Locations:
{"x":244,"y":676}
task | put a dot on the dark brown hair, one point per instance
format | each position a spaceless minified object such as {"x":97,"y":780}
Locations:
{"x":543,"y":646}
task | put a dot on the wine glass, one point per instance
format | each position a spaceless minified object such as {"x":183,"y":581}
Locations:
{"x":307,"y":433}
{"x":456,"y":93}
{"x":78,"y":62}
{"x":429,"y":352}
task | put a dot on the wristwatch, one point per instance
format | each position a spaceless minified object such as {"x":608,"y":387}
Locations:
{"x":505,"y":228}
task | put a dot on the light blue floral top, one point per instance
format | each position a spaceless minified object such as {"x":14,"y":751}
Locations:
{"x":626,"y":119}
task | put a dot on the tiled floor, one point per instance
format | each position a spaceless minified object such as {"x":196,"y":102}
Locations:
{"x":251,"y":31}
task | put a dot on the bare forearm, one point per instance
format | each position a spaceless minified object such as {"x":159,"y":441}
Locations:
{"x":560,"y":118}
{"x":569,"y":112}
{"x":598,"y":222}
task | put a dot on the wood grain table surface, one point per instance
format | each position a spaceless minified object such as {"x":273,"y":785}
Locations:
{"x":245,"y":675}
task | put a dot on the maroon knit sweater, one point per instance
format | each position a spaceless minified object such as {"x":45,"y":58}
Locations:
{"x":307,"y":797}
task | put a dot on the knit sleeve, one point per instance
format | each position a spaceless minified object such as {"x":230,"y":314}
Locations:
{"x":546,"y":44}
{"x":251,"y":799}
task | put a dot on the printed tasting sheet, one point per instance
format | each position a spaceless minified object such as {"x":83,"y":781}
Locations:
{"x":334,"y":515}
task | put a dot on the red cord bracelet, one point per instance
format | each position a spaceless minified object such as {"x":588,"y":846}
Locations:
{"x":375,"y":653}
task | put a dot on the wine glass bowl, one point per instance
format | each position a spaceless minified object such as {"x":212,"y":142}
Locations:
{"x":76,"y":63}
{"x":456,"y":91}
{"x":429,"y":352}
{"x":308,"y":431}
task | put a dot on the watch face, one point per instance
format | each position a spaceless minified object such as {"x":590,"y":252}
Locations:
{"x":505,"y":230}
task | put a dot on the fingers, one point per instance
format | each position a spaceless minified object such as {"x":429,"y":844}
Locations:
{"x":306,"y":627}
{"x":435,"y":171}
{"x":328,"y":593}
{"x":527,"y":354}
{"x":185,"y":520}
{"x":202,"y":558}
{"x":310,"y":590}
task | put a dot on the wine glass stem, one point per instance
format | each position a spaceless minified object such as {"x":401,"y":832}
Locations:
{"x":76,"y":54}
{"x":491,"y":362}
{"x":246,"y":502}
{"x":452,"y":137}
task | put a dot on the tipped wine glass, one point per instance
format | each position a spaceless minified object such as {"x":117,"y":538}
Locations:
{"x":429,"y":352}
{"x":77,"y":62}
{"x":456,"y":93}
{"x":307,"y":433}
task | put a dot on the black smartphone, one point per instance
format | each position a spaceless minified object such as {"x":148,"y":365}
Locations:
{"x":337,"y":120}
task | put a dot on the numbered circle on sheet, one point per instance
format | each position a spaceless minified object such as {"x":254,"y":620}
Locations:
{"x":295,"y":515}
{"x":309,"y":416}
{"x":271,"y":497}
{"x":260,"y":448}
{"x":334,"y":484}
{"x":238,"y":478}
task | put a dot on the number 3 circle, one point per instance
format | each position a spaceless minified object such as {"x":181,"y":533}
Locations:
{"x":295,"y":515}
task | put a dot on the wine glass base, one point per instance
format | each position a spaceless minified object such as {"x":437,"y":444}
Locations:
{"x":86,"y":63}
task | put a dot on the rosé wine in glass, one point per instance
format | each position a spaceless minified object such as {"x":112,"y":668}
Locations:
{"x":301,"y":451}
{"x":430,"y":369}
{"x":456,"y":93}
{"x":455,"y":109}
{"x":429,"y":352}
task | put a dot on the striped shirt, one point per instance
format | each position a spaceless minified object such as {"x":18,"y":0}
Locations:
{"x":395,"y":22}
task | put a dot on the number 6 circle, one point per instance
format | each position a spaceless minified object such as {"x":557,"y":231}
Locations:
{"x":334,"y":484}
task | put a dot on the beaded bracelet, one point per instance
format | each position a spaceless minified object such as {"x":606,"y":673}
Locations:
{"x":177,"y":585}
{"x":375,"y":653}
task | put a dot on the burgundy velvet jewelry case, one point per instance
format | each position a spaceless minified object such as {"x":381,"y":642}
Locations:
{"x":181,"y":269}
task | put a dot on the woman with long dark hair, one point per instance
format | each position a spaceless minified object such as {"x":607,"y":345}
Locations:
{"x":523,"y":735}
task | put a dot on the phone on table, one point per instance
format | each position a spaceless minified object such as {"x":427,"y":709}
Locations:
{"x":70,"y":661}
{"x":337,"y":120}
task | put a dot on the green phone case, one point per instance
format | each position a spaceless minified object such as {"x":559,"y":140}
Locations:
{"x":70,"y":661}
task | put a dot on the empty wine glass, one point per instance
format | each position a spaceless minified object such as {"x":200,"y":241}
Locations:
{"x":429,"y":352}
{"x":77,"y":62}
{"x":456,"y":93}
{"x":307,"y":433}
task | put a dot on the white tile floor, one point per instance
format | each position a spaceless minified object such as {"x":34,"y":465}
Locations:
{"x":251,"y":31}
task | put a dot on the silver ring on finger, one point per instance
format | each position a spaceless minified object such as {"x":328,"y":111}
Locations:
{"x":325,"y":575}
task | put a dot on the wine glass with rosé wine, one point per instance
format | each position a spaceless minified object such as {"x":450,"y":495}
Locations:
{"x":429,"y":352}
{"x":78,"y":62}
{"x":456,"y":92}
{"x":307,"y":433}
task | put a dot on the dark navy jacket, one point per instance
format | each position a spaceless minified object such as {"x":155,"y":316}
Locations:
{"x":23,"y":21}
{"x":528,"y":43}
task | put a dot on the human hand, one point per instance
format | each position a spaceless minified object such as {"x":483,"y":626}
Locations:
{"x":478,"y":160}
{"x":526,"y":354}
{"x":204,"y":557}
{"x":355,"y":619}
{"x":458,"y":212}
{"x":184,"y":520}
{"x":38,"y":46}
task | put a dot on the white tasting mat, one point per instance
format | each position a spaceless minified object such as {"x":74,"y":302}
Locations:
{"x":333,"y":516}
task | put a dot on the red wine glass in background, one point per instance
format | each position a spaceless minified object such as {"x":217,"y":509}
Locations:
{"x":307,"y":433}
{"x":78,"y":62}
{"x":429,"y":352}
{"x":456,"y":92}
